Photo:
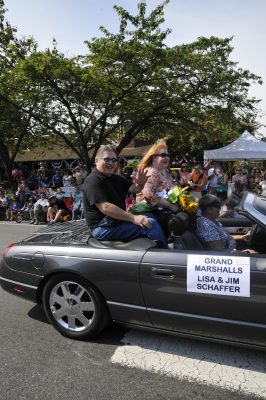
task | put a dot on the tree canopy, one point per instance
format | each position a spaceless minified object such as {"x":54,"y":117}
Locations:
{"x":16,"y":127}
{"x":131,"y":84}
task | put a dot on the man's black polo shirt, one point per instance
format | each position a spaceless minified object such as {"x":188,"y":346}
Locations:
{"x":99,"y":188}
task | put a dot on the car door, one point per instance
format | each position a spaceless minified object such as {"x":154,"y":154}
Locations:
{"x":114,"y":272}
{"x":175,"y":305}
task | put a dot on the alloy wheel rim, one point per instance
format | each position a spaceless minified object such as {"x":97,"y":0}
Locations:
{"x":72,"y":306}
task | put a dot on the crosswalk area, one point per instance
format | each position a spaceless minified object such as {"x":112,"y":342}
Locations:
{"x":235,"y":369}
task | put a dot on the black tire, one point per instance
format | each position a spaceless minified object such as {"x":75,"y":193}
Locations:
{"x":74,"y":307}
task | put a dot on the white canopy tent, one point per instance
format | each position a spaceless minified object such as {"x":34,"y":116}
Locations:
{"x":246,"y":147}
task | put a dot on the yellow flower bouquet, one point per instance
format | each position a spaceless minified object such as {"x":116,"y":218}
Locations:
{"x":180,"y":196}
{"x":176,"y":195}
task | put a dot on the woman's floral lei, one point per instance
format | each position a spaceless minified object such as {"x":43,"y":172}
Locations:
{"x":176,"y":195}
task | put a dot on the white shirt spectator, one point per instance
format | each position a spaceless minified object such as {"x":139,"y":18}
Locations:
{"x":212,"y":177}
{"x":42,"y":202}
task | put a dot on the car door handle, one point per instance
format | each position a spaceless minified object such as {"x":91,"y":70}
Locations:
{"x":162,"y":272}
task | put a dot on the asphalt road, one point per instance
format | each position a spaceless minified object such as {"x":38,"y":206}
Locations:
{"x":36,"y":362}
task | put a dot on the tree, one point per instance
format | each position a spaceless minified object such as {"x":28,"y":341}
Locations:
{"x":92,"y":99}
{"x":15,"y":125}
{"x":14,"y":129}
{"x":130,"y":83}
{"x":209,"y":93}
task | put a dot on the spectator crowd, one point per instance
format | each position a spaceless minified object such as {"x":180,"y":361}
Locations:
{"x":46,"y":196}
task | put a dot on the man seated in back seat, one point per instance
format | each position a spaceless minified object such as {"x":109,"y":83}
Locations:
{"x":104,"y":203}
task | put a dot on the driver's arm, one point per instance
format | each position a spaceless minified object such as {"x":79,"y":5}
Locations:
{"x":216,"y":245}
{"x":242,"y":237}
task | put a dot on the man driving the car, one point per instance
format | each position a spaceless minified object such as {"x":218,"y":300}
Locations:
{"x":104,"y":195}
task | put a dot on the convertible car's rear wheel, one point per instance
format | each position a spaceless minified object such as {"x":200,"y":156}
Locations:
{"x":74,"y":307}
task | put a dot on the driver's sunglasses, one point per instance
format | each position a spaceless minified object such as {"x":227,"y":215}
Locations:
{"x":108,"y":160}
{"x":163,"y":155}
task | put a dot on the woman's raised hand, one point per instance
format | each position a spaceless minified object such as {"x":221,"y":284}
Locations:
{"x":141,"y":178}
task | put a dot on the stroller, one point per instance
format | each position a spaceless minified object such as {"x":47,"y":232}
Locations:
{"x":22,"y":215}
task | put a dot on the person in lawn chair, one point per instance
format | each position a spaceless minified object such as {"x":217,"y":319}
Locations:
{"x":39,"y":210}
{"x":57,"y":210}
{"x":13,"y":208}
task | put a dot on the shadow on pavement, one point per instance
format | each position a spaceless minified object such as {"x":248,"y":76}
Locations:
{"x":112,"y":334}
{"x":38,"y":314}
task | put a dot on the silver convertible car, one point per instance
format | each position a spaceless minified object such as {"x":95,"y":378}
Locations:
{"x":186,"y":290}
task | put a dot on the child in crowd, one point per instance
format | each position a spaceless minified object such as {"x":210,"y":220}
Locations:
{"x":13,"y":208}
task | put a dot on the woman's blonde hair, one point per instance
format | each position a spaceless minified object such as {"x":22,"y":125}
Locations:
{"x":153,"y":151}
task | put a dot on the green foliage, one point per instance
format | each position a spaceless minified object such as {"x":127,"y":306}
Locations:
{"x":130,"y":84}
{"x":16,"y":127}
{"x":132,"y":165}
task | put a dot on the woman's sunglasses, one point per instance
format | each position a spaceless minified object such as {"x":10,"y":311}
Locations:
{"x":163,"y":155}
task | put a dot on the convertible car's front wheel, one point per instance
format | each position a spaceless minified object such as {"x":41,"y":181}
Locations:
{"x":74,"y":307}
